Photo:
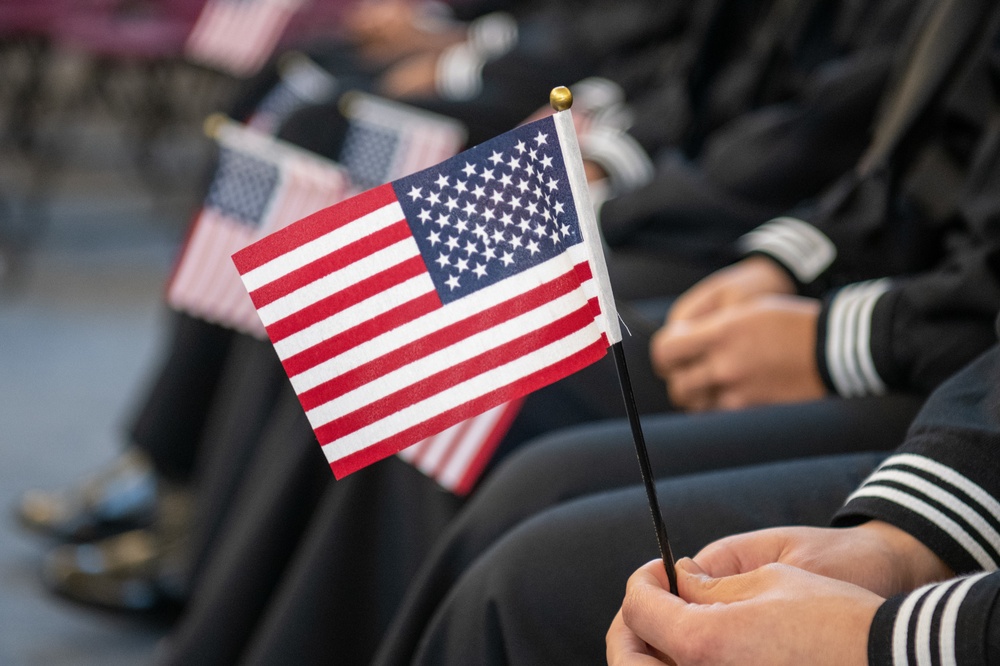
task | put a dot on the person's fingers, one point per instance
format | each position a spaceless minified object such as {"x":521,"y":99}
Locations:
{"x":678,"y":344}
{"x":624,"y":648}
{"x":692,"y":387}
{"x":650,"y":610}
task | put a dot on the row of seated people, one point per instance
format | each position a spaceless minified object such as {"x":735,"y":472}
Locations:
{"x":798,"y":203}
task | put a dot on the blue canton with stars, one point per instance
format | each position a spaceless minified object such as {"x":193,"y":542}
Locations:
{"x":493,"y":211}
{"x":242,"y":186}
{"x":367,"y":153}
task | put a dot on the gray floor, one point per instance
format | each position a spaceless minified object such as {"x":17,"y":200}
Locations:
{"x":80,"y":328}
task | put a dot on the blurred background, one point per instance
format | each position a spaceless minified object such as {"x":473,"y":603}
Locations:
{"x":103,"y":163}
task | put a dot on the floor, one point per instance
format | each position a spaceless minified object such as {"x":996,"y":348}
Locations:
{"x":81,"y":319}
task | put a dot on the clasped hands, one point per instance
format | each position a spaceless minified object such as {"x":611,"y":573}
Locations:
{"x":794,"y":595}
{"x":739,"y":338}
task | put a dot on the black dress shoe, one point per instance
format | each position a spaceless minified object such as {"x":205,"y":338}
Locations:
{"x":139,"y":570}
{"x":119,"y":498}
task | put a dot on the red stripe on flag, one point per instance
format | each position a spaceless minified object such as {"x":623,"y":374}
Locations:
{"x":345,"y":298}
{"x":355,"y":335}
{"x":312,"y":227}
{"x":438,"y":340}
{"x":387,"y":447}
{"x":330,"y":263}
{"x":456,"y":374}
{"x":485,"y":453}
{"x":456,"y":441}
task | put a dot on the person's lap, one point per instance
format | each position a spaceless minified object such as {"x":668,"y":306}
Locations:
{"x":547,"y":591}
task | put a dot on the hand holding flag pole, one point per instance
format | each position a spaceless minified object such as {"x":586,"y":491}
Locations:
{"x":561,"y":99}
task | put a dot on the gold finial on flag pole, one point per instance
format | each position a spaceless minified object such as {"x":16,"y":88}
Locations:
{"x":561,"y":98}
{"x":213,"y":123}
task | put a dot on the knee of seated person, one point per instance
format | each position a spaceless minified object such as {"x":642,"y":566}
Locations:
{"x":539,"y":465}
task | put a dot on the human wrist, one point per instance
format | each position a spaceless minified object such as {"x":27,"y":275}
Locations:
{"x":909,"y":562}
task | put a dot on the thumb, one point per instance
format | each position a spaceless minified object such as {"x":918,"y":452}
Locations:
{"x":696,"y":586}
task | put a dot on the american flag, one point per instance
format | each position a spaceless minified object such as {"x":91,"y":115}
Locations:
{"x":301,"y":82}
{"x":238,"y":36}
{"x":260,"y":184}
{"x":421,"y":303}
{"x":457,"y":457}
{"x":387,"y":140}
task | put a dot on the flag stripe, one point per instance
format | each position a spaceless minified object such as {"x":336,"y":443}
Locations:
{"x":532,"y":348}
{"x":330,"y":347}
{"x":343,"y":463}
{"x":448,"y":446}
{"x":481,"y":454}
{"x":450,"y":344}
{"x":252,"y":260}
{"x":416,"y":296}
{"x":332,"y":262}
{"x":335,"y":303}
{"x":416,"y":329}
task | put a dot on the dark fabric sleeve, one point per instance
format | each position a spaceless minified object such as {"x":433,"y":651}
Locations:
{"x":942,"y":485}
{"x":953,"y":622}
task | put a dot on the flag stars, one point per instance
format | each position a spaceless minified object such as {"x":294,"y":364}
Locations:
{"x":541,"y":139}
{"x":424,"y":216}
{"x":489,"y":215}
{"x":498,"y":236}
{"x":496,"y":158}
{"x":480,"y":271}
{"x":451,"y":203}
{"x":506,"y":180}
{"x":461,"y":186}
{"x":442,"y":220}
{"x":415,"y":193}
{"x":524,"y":225}
{"x":532,"y":208}
{"x":497,"y":197}
{"x":507,"y":258}
{"x":452,"y":243}
{"x":471,"y":247}
{"x":470,"y":209}
{"x":462,"y":225}
{"x":559,"y":208}
{"x":488,"y":175}
{"x":507,"y":219}
{"x":469,"y":170}
{"x":523,"y":185}
{"x":547,"y":162}
{"x":443,"y":260}
{"x":515,"y":203}
{"x":479,"y":192}
{"x":514,"y":163}
{"x":452,"y":282}
{"x":564,"y":230}
{"x":434,"y":238}
{"x":433,"y":198}
{"x":462,"y":265}
{"x":553,"y":184}
{"x":442,"y":181}
{"x":533,"y":248}
{"x":490,"y":253}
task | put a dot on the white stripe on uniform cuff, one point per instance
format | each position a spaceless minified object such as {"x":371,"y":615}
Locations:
{"x":801,"y":247}
{"x":459,"y":72}
{"x":848,"y":339}
{"x":625,"y":161}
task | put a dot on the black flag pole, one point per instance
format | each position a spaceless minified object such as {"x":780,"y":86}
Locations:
{"x":561,"y":99}
{"x":647,"y":472}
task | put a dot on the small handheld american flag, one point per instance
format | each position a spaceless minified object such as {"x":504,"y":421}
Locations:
{"x":407,"y":309}
{"x":260,"y":184}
